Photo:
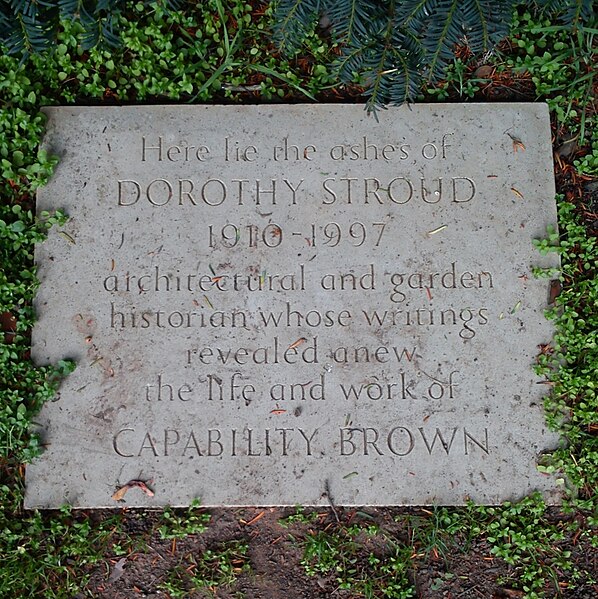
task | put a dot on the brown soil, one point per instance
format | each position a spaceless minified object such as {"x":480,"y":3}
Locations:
{"x":462,"y":570}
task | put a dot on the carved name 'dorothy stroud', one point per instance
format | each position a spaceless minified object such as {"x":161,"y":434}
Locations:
{"x":281,"y":305}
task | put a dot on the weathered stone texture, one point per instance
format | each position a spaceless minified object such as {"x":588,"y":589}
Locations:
{"x":295,"y":305}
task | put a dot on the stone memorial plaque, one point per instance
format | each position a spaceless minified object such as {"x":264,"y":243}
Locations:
{"x":280,"y":305}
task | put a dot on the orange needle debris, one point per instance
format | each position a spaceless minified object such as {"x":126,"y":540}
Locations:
{"x":297,"y":343}
{"x":254,"y":520}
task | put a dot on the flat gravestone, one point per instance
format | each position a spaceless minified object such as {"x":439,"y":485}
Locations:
{"x":280,"y":305}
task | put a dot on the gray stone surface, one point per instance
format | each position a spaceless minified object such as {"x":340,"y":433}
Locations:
{"x":295,"y":305}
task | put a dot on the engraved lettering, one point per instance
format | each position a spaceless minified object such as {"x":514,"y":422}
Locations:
{"x":309,"y":439}
{"x":438,"y":388}
{"x":148,"y":443}
{"x":271,"y":192}
{"x":431,"y":197}
{"x":375,"y":184}
{"x":216,"y":193}
{"x":393,"y":443}
{"x":231,"y":390}
{"x":373,"y":433}
{"x":233,"y":152}
{"x":328,"y":190}
{"x":122,"y":197}
{"x":367,"y":281}
{"x":446,"y":445}
{"x":186,"y":193}
{"x":173,"y":153}
{"x":145,"y":148}
{"x":192,"y":443}
{"x":171,"y":438}
{"x":299,"y":391}
{"x":429,"y":151}
{"x":288,"y":151}
{"x":375,"y":390}
{"x":347,"y":439}
{"x":115,"y":444}
{"x":460,"y":188}
{"x":445,"y":144}
{"x":165,"y":391}
{"x":162,"y":191}
{"x":403,"y":198}
{"x":293,"y":189}
{"x":214,"y":436}
{"x":467,"y":437}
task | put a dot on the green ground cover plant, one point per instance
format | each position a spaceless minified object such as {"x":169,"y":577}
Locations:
{"x":223,"y":52}
{"x":572,"y":363}
{"x":217,"y":568}
{"x":393,"y":46}
{"x":178,"y":526}
{"x":347,"y":555}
